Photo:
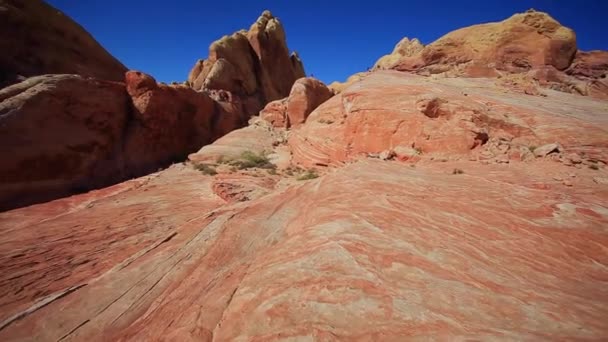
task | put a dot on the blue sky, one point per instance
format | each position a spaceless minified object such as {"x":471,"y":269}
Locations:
{"x":334,"y":38}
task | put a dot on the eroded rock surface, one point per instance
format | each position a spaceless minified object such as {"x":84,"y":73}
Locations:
{"x":253,"y":65}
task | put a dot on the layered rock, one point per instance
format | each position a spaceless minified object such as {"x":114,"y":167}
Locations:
{"x":375,"y":250}
{"x":253,"y":65}
{"x":39,"y":39}
{"x":442,"y":117}
{"x":292,"y":111}
{"x":530,"y":42}
{"x":63,"y":134}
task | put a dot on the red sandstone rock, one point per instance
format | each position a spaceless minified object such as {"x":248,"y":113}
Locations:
{"x":168,"y":122}
{"x":388,"y":109}
{"x":58,"y":135}
{"x":306,"y":95}
{"x":275,"y":113}
{"x":252,"y":64}
{"x":521,"y":42}
{"x":358,"y":254}
{"x":531,"y":44}
{"x":463,"y":242}
{"x":38,"y":39}
{"x":593,"y":64}
{"x":63,"y":134}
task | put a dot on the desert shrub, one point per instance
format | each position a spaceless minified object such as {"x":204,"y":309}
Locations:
{"x":594,"y":167}
{"x":309,"y":174}
{"x":205,"y":169}
{"x":250,"y":160}
{"x":457,"y":172}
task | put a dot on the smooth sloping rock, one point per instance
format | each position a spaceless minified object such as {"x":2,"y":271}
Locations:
{"x":362,"y":253}
{"x":39,"y":39}
{"x":258,"y":137}
{"x":305,"y":95}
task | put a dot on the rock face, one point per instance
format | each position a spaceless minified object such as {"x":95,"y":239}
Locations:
{"x":442,"y":117}
{"x":45,"y":41}
{"x":254,"y":66}
{"x":67,"y":133}
{"x":405,"y":48}
{"x":59,"y":134}
{"x":306,"y":95}
{"x":526,"y":43}
{"x":63,"y":134}
{"x":521,"y":42}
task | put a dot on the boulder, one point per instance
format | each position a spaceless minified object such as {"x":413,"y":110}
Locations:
{"x":45,"y":41}
{"x":546,"y":149}
{"x":306,"y":95}
{"x":275,"y":113}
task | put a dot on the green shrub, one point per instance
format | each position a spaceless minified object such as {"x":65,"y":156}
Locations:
{"x":310,"y":174}
{"x":205,"y":169}
{"x":250,"y":160}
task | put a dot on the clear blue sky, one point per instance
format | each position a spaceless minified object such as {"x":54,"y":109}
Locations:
{"x":335,"y":38}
